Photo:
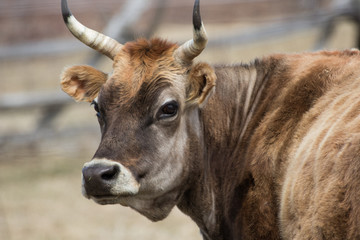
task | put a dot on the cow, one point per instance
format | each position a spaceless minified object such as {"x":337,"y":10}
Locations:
{"x":265,"y":150}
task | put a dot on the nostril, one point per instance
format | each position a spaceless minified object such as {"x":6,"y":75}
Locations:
{"x":110,"y":173}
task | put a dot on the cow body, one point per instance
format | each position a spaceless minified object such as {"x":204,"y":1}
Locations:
{"x":282,"y":149}
{"x":271,"y":152}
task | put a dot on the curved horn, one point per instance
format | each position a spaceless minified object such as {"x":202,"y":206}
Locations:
{"x":104,"y":44}
{"x":192,"y":48}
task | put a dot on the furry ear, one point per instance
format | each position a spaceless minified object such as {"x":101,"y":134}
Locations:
{"x":201,"y":84}
{"x":82,"y":83}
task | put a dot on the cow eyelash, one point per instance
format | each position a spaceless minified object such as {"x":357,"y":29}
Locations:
{"x":96,"y":106}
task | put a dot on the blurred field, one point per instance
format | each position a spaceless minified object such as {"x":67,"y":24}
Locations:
{"x":40,"y":178}
{"x":41,"y":199}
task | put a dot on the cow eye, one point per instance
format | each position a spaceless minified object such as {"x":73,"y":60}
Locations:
{"x":168,"y":110}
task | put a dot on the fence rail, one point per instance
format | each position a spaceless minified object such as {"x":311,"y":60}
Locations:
{"x":54,"y":102}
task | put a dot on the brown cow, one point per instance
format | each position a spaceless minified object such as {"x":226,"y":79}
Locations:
{"x":272,"y":153}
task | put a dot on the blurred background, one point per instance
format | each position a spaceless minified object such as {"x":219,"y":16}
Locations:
{"x":45,"y":137}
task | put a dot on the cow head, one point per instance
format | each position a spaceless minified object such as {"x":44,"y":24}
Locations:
{"x":147,"y":109}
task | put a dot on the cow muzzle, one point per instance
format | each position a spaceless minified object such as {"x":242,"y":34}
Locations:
{"x":105,"y":181}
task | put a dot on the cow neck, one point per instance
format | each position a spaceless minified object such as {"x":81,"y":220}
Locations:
{"x":225,"y":119}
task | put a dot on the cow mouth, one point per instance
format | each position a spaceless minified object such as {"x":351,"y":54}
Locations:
{"x":110,"y":199}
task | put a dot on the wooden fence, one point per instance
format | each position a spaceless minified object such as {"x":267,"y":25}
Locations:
{"x":119,"y":26}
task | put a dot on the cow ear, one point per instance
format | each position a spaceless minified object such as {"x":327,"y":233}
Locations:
{"x":82,"y":83}
{"x":202,"y":80}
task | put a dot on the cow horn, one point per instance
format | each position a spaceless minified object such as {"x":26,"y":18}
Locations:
{"x":104,"y":44}
{"x":192,"y":48}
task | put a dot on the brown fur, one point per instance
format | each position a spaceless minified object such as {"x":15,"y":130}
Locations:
{"x":140,"y":63}
{"x":147,"y":62}
{"x":82,"y":82}
{"x":273,"y":154}
{"x":297,"y":99}
{"x":202,"y":82}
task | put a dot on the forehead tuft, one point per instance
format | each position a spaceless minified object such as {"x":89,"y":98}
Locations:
{"x":141,"y":64}
{"x":149,"y":49}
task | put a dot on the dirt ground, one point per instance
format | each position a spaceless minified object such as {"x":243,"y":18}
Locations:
{"x":40,"y":195}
